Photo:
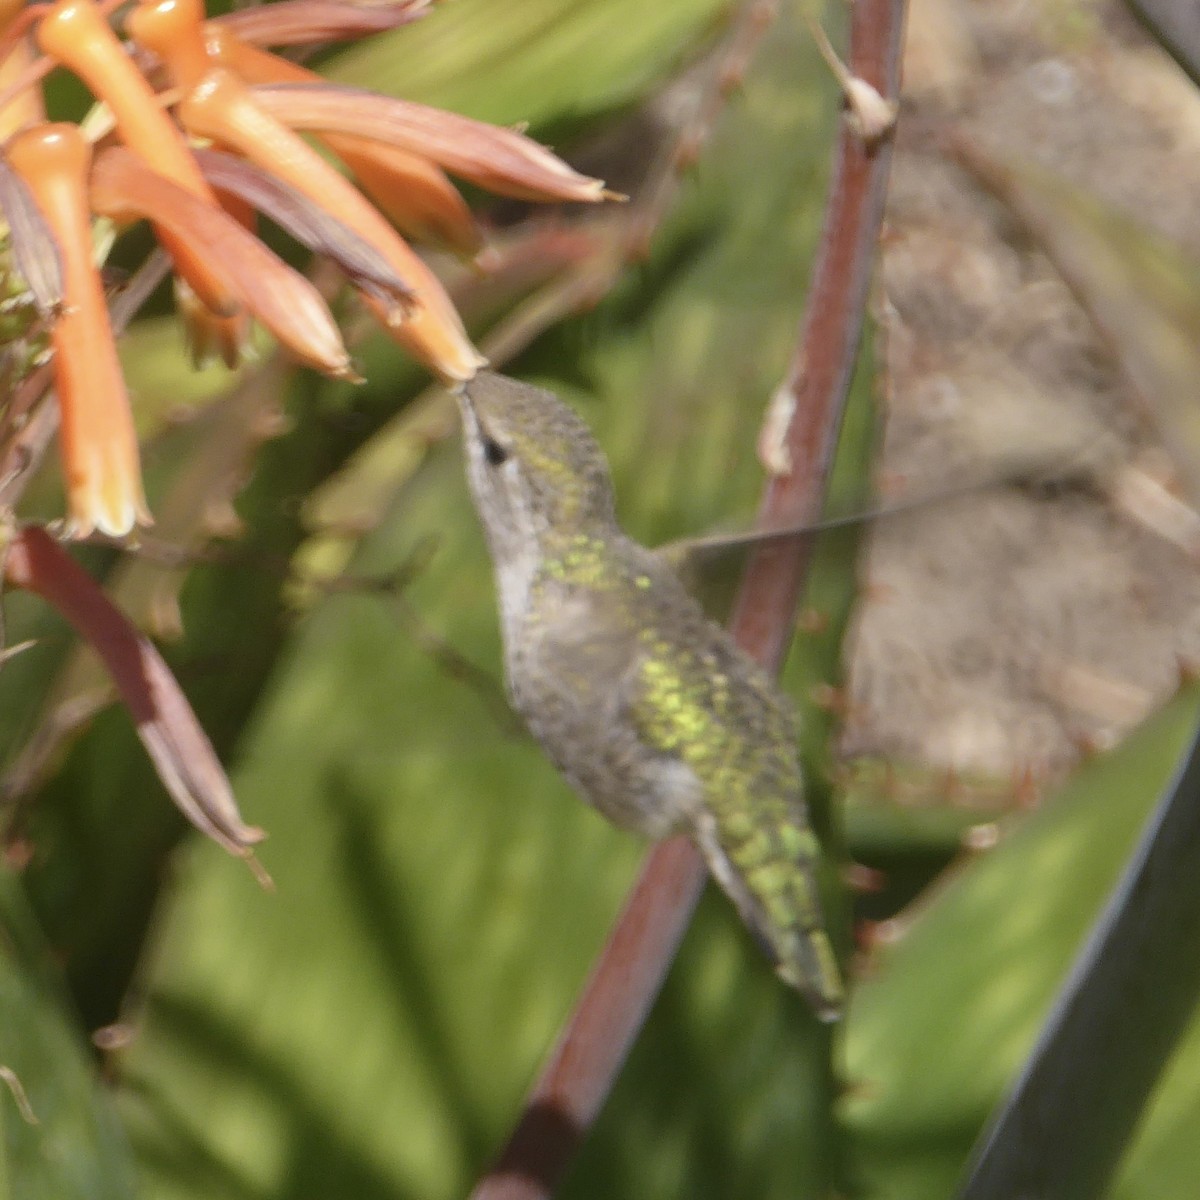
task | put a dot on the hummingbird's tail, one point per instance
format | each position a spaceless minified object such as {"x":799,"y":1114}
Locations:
{"x":767,"y":870}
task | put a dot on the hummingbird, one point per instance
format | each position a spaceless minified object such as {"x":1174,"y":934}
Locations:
{"x":648,"y":708}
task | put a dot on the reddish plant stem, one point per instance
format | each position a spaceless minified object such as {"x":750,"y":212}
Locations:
{"x":819,"y":376}
{"x":615,"y":1002}
{"x":626,"y":979}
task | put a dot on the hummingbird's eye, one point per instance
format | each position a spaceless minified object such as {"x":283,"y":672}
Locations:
{"x":495,"y":453}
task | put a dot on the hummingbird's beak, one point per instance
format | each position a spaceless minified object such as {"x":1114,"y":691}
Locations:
{"x":466,"y":410}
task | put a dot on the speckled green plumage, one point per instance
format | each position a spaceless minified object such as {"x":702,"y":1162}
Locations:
{"x":706,"y":702}
{"x":646,"y":706}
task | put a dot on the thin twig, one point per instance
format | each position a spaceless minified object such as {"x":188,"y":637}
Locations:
{"x":729,"y":66}
{"x":9,"y":1077}
{"x":573,"y":1086}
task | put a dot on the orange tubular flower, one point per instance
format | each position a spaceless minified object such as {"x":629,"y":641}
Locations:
{"x":252,"y":103}
{"x":218,"y":106}
{"x":414,"y":193}
{"x":171,"y":28}
{"x":303,"y":22}
{"x":501,"y":160}
{"x":98,"y":441}
{"x":75,"y":34}
{"x":221,"y":108}
{"x":25,"y":108}
{"x":124,"y":188}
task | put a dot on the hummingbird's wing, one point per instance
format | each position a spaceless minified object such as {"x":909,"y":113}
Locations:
{"x":710,"y":565}
{"x":696,"y":700}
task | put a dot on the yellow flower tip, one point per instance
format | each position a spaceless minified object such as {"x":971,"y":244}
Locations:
{"x":347,"y":374}
{"x":487,"y":262}
{"x":433,"y":335}
{"x":261,"y":875}
{"x":103,"y":495}
{"x":458,"y":368}
{"x":457,"y":380}
{"x":319,"y":345}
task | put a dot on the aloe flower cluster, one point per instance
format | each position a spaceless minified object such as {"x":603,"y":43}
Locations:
{"x":199,"y":128}
{"x":141,"y":160}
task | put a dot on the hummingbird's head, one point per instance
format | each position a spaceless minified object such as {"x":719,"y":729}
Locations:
{"x":532,"y":464}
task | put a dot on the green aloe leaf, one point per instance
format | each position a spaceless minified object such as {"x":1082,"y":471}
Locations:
{"x":938,"y":1031}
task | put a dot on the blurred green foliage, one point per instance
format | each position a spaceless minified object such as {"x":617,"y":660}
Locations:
{"x":60,"y":1134}
{"x":368,"y":1028}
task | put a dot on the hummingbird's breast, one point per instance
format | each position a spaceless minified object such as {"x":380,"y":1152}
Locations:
{"x":571,"y":656}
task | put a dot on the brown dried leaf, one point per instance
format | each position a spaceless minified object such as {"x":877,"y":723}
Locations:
{"x":177,"y":745}
{"x":34,"y":248}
